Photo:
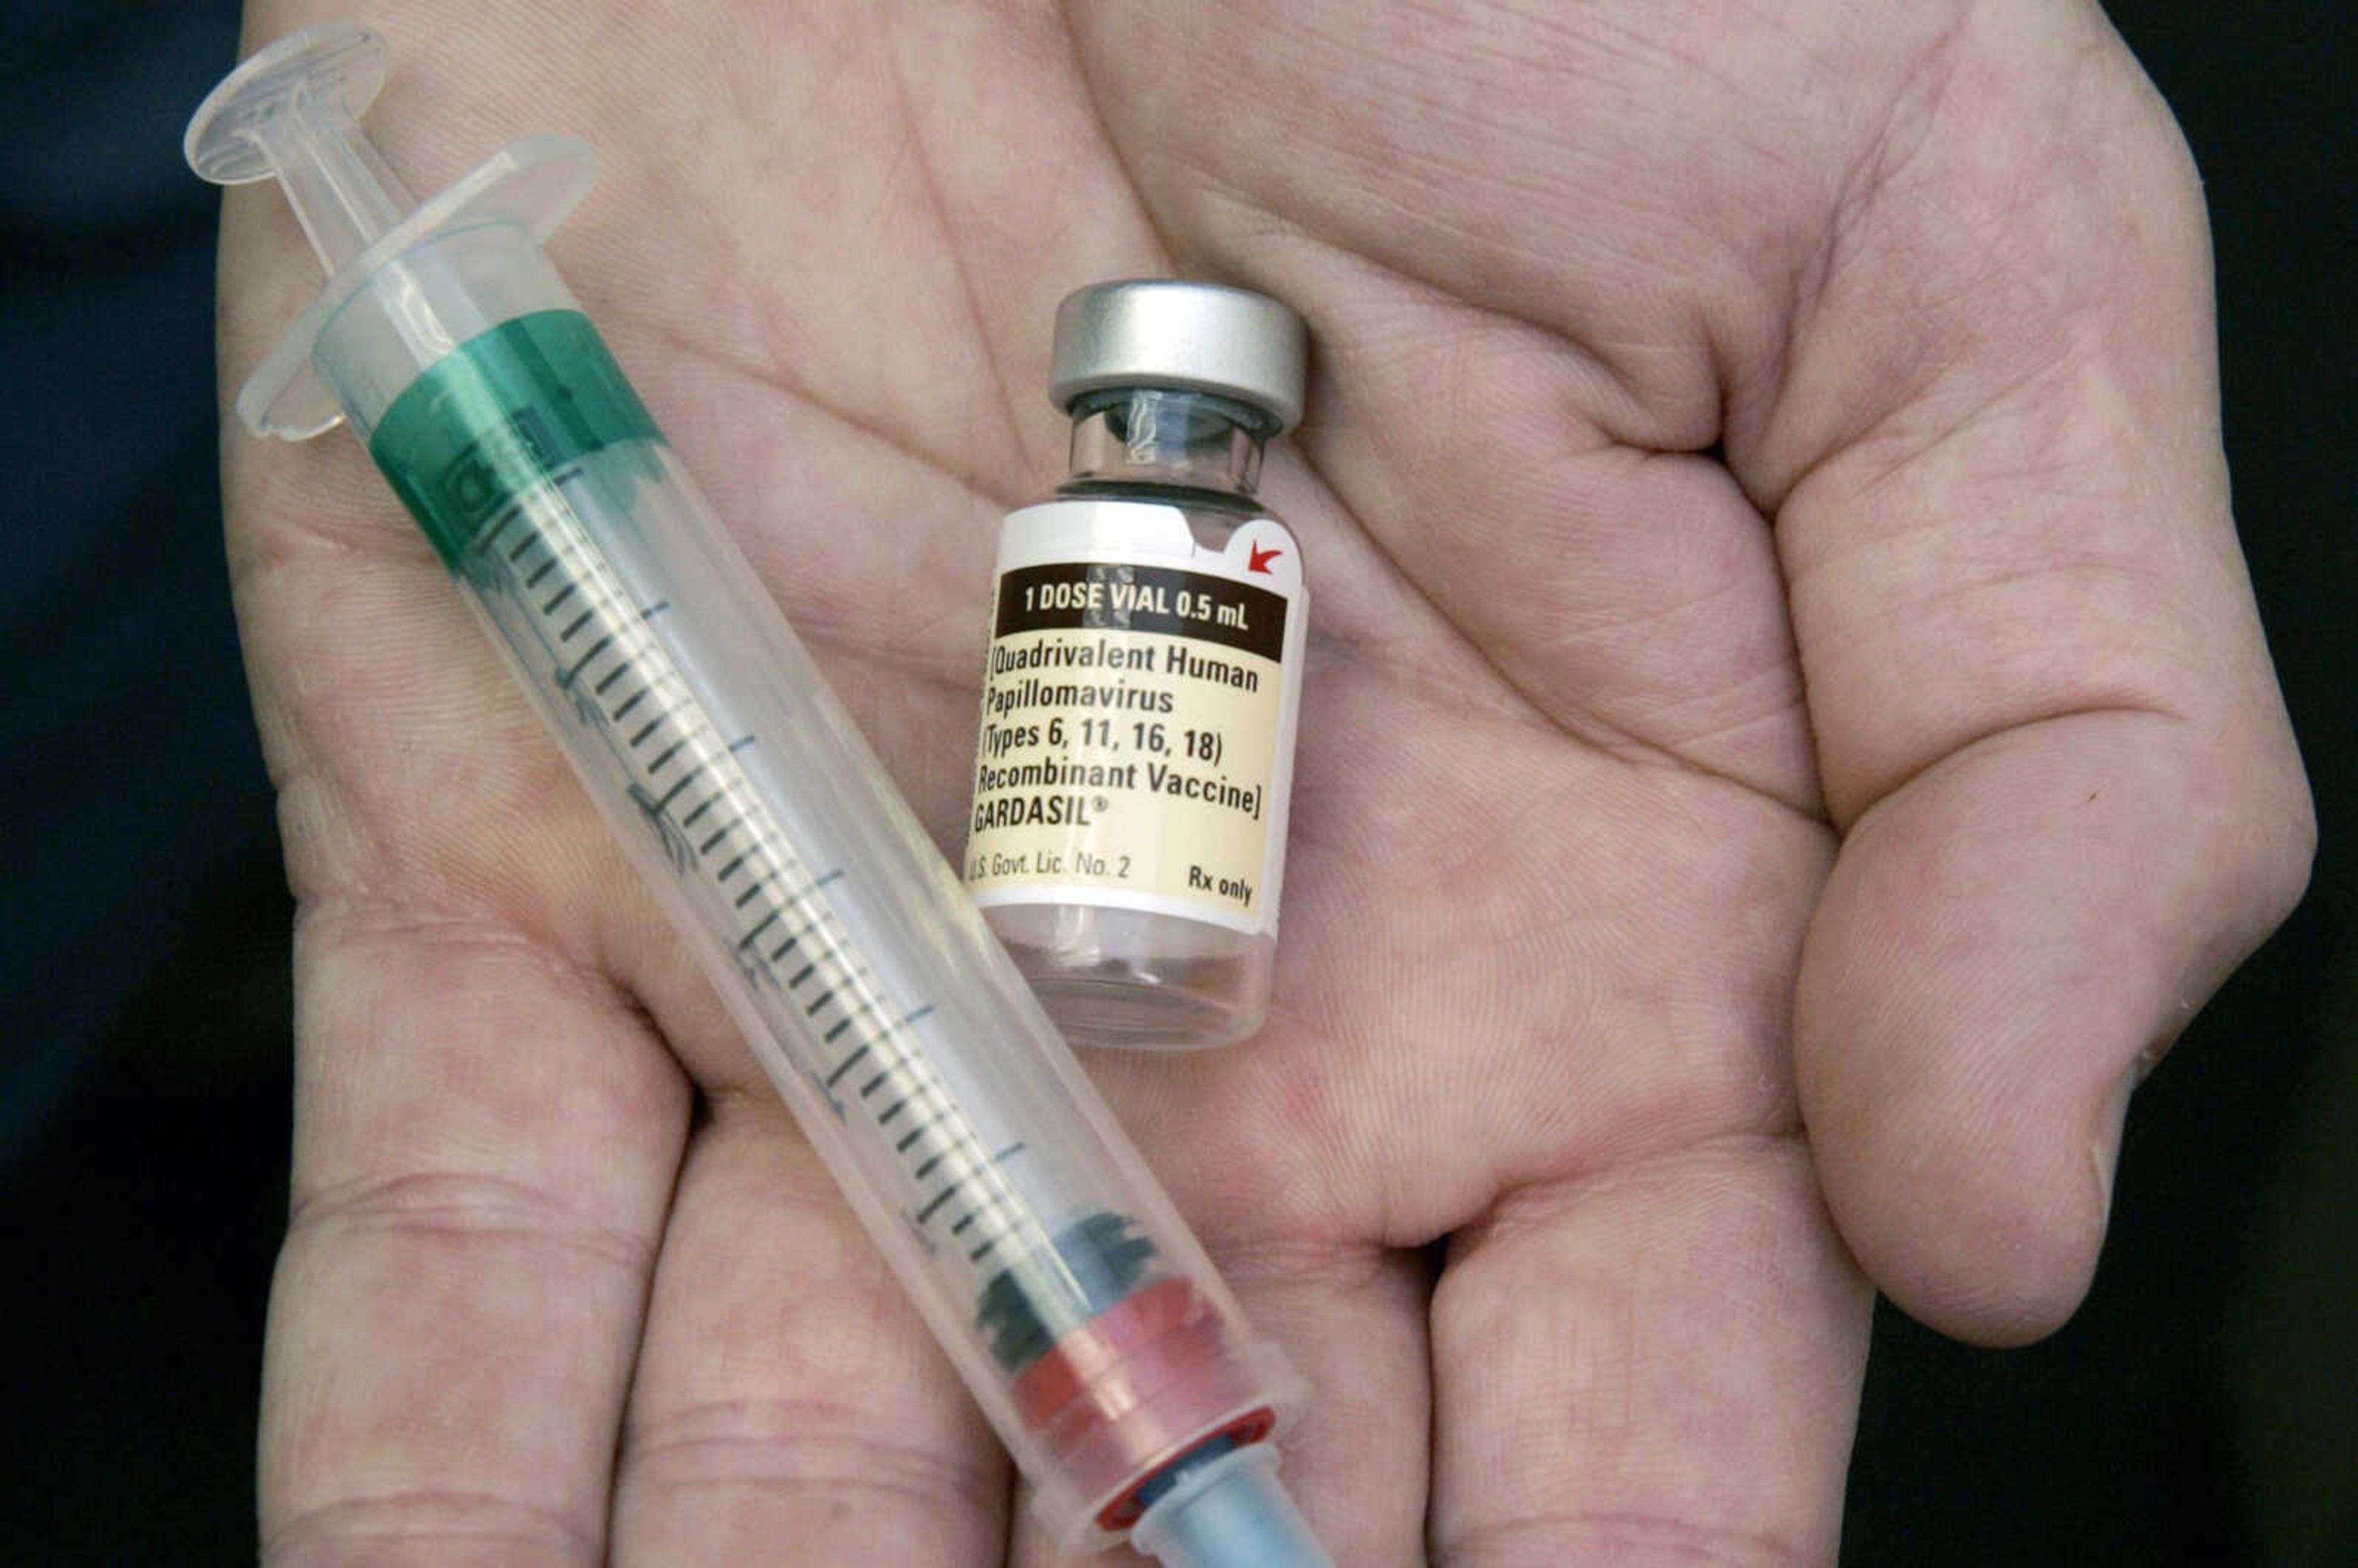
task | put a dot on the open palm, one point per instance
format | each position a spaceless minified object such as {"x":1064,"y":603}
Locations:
{"x":1786,"y":742}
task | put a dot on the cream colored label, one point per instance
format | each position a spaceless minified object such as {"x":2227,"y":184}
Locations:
{"x":1138,"y":715}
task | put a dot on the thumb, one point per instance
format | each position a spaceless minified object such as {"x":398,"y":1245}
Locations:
{"x":2044,"y":711}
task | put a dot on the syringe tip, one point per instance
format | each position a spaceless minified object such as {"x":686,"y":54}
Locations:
{"x":1231,"y":1512}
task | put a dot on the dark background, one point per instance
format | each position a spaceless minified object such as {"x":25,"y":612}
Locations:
{"x":2201,"y":1409}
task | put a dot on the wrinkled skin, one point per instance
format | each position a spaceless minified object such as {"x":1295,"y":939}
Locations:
{"x":1788,"y":744}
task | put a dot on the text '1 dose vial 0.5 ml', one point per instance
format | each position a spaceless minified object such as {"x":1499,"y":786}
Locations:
{"x":1139,"y":698}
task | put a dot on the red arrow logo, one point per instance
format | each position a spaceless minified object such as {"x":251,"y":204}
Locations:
{"x":1259,"y":559}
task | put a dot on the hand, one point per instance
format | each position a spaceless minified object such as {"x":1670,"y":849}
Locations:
{"x":1787,"y":743}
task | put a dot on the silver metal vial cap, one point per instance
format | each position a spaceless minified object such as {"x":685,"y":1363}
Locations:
{"x":1200,"y":336}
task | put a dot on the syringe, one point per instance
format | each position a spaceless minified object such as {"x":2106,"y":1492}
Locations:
{"x":1081,"y":1313}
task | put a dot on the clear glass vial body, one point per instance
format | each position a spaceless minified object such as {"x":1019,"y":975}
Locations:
{"x":1109,"y":971}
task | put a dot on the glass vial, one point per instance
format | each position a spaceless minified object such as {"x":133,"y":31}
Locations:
{"x":1127,"y":836}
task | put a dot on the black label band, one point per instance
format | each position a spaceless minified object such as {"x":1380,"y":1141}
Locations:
{"x":1121,"y":597}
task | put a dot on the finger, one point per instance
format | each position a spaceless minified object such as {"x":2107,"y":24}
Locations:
{"x":788,"y":1399}
{"x":486,"y":1131}
{"x":1658,"y":1366}
{"x":485,"y":1139}
{"x":2043,"y":707}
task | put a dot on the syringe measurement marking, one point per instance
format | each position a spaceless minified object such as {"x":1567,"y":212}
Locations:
{"x":941,"y":1146}
{"x":679,"y":785}
{"x":996,"y":1196}
{"x":604,"y":643}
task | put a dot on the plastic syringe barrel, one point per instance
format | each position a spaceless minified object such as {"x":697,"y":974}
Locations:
{"x":1086,"y":1321}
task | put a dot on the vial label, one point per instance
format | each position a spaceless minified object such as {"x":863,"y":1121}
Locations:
{"x":1138,"y":715}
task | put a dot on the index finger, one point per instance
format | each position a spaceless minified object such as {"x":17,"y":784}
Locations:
{"x":486,"y":1127}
